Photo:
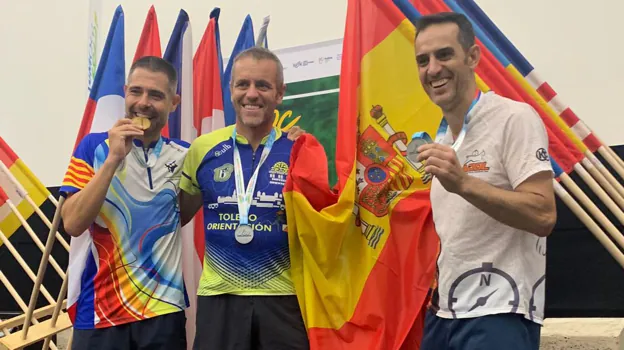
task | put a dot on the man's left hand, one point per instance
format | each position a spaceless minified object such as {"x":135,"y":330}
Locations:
{"x":441,"y":162}
{"x":294,"y":132}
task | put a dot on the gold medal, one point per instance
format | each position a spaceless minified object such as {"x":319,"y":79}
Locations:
{"x":141,"y":122}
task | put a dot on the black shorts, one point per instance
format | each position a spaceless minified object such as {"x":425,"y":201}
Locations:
{"x":231,"y":322}
{"x":160,"y":332}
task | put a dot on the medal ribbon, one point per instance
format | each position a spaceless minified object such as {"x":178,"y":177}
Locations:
{"x":244,"y":197}
{"x":460,"y":138}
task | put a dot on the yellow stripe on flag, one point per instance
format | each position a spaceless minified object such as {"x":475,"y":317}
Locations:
{"x":384,"y":70}
{"x":33,"y":187}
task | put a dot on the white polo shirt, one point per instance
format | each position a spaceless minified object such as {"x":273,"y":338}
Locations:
{"x":486,"y":267}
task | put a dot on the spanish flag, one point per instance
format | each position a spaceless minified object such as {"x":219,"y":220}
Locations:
{"x":364,"y":256}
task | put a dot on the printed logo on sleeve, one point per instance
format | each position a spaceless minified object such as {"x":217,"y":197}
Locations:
{"x":542,"y":155}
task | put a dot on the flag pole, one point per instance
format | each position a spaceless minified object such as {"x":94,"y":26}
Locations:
{"x":7,"y":243}
{"x":567,"y":199}
{"x":24,"y":194}
{"x":262,"y":35}
{"x":543,"y":88}
{"x":42,"y":267}
{"x":592,"y":208}
{"x":57,"y":309}
{"x":29,"y":230}
{"x":615,"y":190}
{"x":20,"y":302}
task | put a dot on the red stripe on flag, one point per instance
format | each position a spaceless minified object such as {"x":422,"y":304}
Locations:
{"x":546,"y":91}
{"x":206,"y":79}
{"x":149,"y":45}
{"x":149,"y":42}
{"x":3,"y":197}
{"x":569,"y":117}
{"x":7,"y":156}
{"x":87,"y":121}
{"x":411,"y":239}
{"x":592,"y":143}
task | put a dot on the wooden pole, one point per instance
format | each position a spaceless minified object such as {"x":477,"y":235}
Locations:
{"x":593,"y":209}
{"x":18,"y":300}
{"x":24,"y":194}
{"x":602,"y":180}
{"x":24,"y":265}
{"x":42,"y":266}
{"x":589,"y":223}
{"x":599,"y":192}
{"x":35,"y":238}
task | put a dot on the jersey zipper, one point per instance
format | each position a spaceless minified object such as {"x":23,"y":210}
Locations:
{"x":149,"y":170}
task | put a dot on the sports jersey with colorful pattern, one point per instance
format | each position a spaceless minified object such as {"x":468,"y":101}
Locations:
{"x":128,"y":266}
{"x":262,"y":266}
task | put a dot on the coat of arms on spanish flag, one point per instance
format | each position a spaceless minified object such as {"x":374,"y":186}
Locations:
{"x":364,"y":256}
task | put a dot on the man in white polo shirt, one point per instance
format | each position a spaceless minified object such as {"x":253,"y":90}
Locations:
{"x":492,"y":199}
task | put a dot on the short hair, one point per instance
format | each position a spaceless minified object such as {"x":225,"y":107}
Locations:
{"x":157,"y":65}
{"x":262,"y":53}
{"x":466,"y":35}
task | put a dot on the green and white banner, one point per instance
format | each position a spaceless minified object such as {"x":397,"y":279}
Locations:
{"x":312,"y":73}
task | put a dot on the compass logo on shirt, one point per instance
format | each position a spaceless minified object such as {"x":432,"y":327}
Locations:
{"x":482,"y":287}
{"x":476,"y":163}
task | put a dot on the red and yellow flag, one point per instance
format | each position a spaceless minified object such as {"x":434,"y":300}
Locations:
{"x":363,"y":258}
{"x":17,"y":181}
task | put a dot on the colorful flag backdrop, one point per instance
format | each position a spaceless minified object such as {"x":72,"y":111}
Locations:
{"x":105,"y":104}
{"x":378,"y":229}
{"x":182,"y":126}
{"x":244,"y":41}
{"x":104,"y":107}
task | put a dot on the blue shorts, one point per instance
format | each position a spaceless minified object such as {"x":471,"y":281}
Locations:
{"x":492,"y":332}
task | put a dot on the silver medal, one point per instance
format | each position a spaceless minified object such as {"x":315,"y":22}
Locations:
{"x":412,"y":149}
{"x":244,"y":234}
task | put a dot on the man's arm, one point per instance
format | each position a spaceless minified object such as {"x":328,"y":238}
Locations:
{"x":189,"y":205}
{"x":530,"y":207}
{"x":80,"y":209}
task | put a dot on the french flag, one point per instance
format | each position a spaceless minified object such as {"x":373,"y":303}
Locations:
{"x":106,"y":100}
{"x":104,"y":107}
{"x":179,"y":53}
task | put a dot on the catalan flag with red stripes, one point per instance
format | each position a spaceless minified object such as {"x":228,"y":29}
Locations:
{"x":363,"y":258}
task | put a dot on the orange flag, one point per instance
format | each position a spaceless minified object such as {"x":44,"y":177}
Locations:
{"x":363,"y":258}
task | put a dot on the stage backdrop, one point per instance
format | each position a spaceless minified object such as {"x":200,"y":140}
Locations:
{"x":311,"y":73}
